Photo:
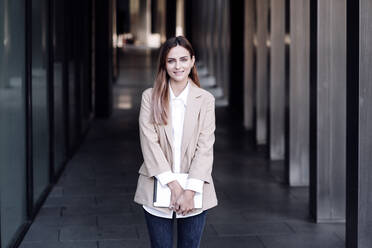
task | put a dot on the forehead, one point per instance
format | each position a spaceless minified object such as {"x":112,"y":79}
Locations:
{"x":178,"y":52}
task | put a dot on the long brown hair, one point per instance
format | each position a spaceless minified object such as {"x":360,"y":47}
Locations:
{"x":160,"y":92}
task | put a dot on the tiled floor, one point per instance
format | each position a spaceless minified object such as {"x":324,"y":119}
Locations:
{"x":92,"y":204}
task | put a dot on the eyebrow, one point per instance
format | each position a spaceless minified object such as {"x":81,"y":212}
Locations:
{"x":180,"y":57}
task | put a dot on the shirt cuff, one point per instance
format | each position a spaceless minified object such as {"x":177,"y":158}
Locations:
{"x":165,"y":177}
{"x":194,"y":185}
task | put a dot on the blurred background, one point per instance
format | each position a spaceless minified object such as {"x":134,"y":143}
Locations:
{"x":293,"y":93}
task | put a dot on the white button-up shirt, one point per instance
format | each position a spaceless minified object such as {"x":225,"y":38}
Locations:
{"x":178,"y":106}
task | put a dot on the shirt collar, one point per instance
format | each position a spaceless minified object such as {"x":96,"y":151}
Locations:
{"x":182,"y":96}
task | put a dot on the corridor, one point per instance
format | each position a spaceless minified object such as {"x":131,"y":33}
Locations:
{"x":92,"y":205}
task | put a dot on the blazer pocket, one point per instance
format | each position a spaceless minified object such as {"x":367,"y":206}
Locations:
{"x":143,"y":170}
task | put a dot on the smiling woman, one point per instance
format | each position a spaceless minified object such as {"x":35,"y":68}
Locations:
{"x":171,"y":71}
{"x":179,"y":64}
{"x":171,"y":148}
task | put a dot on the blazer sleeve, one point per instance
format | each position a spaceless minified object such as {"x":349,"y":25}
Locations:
{"x":155,"y":161}
{"x":202,"y":163}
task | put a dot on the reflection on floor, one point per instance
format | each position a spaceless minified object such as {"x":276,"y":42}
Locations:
{"x":92,"y":204}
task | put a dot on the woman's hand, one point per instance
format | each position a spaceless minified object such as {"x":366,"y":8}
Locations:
{"x":176,"y":192}
{"x":185,"y":203}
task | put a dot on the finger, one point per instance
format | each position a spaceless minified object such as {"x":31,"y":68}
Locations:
{"x":176,"y":206}
{"x":189,"y":210}
{"x":181,"y":210}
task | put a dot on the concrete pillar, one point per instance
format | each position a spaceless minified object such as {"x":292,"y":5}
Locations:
{"x":328,"y":110}
{"x":299,"y":94}
{"x":277,"y":80}
{"x":161,"y":9}
{"x":359,"y":124}
{"x":217,"y":42}
{"x":180,"y":17}
{"x":262,"y":72}
{"x":226,"y":48}
{"x":249,"y":24}
{"x":140,"y":20}
{"x":204,"y":31}
{"x":210,"y":33}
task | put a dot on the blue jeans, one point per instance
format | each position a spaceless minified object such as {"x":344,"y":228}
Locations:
{"x":189,"y":231}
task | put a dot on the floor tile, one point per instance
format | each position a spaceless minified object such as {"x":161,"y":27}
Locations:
{"x":61,"y":221}
{"x":236,"y":242}
{"x":257,"y":228}
{"x":303,"y":241}
{"x":89,"y":244}
{"x":42,"y":233}
{"x":124,"y":244}
{"x":98,"y":233}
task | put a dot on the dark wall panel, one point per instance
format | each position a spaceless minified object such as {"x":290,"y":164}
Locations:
{"x":236,"y":84}
{"x":103,"y":64}
{"x":170,"y":18}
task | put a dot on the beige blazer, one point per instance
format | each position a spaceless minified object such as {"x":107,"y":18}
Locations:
{"x":196,"y":149}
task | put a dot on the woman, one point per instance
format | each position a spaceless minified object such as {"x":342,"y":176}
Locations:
{"x":177,"y":123}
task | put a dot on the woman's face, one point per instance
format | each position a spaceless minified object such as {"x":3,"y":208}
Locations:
{"x":179,"y":64}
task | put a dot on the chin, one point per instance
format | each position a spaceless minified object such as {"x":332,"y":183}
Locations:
{"x":179,"y":79}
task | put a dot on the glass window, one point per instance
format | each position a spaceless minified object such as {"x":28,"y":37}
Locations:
{"x":12,"y":119}
{"x":59,"y":109}
{"x":73,"y":82}
{"x":40,"y":130}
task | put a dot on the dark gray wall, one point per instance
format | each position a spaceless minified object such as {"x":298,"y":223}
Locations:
{"x":103,"y":67}
{"x":359,"y":124}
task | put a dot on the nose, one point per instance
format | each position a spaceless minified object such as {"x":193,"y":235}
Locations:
{"x":177,"y":64}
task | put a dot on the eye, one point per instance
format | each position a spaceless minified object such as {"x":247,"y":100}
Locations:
{"x":170,"y":61}
{"x":184,"y":59}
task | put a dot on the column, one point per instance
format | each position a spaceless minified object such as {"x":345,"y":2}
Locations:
{"x":204,"y":32}
{"x":249,"y":24}
{"x":299,"y":94}
{"x":277,"y":80}
{"x":359,"y":124}
{"x":180,"y":18}
{"x":161,"y":9}
{"x":144,"y":22}
{"x":210,"y":32}
{"x":262,"y":72}
{"x":140,"y":20}
{"x":226,"y":49}
{"x":328,"y":110}
{"x":217,"y":41}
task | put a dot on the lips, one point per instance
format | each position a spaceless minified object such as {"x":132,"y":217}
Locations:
{"x":178,"y":73}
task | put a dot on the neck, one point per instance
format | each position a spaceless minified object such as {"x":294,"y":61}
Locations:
{"x":178,"y":87}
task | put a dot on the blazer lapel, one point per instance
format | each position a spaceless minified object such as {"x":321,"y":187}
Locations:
{"x":191,"y":116}
{"x":168,"y":130}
